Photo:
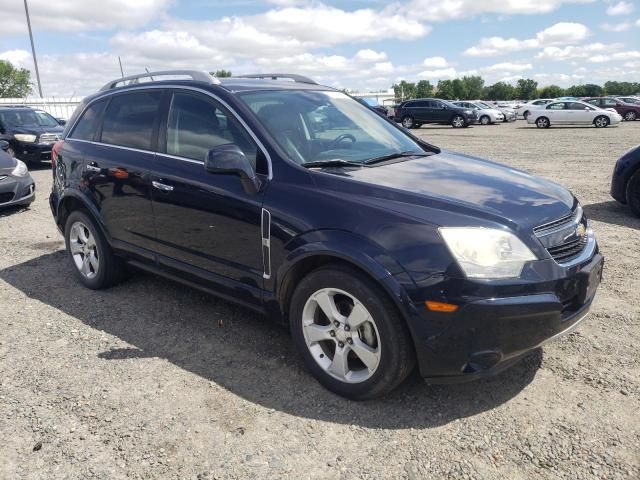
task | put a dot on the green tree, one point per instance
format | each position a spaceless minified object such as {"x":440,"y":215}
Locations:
{"x":221,"y":73}
{"x":405,"y":90}
{"x":621,"y":88}
{"x":551,"y":91}
{"x":445,"y":90}
{"x":424,"y":89}
{"x":474,"y":86}
{"x":500,"y":91}
{"x":14,"y":82}
{"x":460,"y":91}
{"x":526,"y":89}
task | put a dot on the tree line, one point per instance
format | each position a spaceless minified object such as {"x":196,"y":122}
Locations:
{"x":473,"y":88}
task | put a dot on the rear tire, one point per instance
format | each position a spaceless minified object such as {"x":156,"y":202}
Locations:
{"x":633,"y":193}
{"x":362,"y":349}
{"x":458,"y":121}
{"x":526,"y":114}
{"x":601,"y":121}
{"x":90,"y":254}
{"x":630,"y":116}
{"x":543,"y":122}
{"x":407,"y":121}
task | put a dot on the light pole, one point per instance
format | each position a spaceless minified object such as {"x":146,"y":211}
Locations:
{"x":33,"y":48}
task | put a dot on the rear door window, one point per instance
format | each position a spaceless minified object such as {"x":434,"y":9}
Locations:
{"x":131,"y":118}
{"x":556,"y":106}
{"x":88,"y":124}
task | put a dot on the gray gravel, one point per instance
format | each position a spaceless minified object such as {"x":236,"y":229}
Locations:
{"x":154,"y":380}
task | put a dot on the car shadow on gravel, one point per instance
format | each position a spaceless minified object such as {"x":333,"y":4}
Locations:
{"x":613,"y":213}
{"x":240,"y":350}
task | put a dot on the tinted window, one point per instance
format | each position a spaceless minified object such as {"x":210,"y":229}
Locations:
{"x":421,"y":104}
{"x":577,"y":106}
{"x":88,"y":123}
{"x":594,"y":101}
{"x":197,"y":124}
{"x":609,"y":102}
{"x":556,"y":106}
{"x":130,"y":119}
{"x":434,"y":104}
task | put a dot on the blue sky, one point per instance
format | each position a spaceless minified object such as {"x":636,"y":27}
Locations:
{"x":353,"y":44}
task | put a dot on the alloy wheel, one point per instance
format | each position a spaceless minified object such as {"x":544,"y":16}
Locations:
{"x":341,"y":335}
{"x":601,"y":122}
{"x":458,"y":121}
{"x":407,"y":122}
{"x":542,"y":123}
{"x":484,"y":120}
{"x":630,"y":116}
{"x":84,"y":250}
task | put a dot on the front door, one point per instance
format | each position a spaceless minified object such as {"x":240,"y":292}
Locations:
{"x":556,"y":112}
{"x":207,"y":224}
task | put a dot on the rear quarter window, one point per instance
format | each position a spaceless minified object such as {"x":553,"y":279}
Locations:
{"x":130,"y":119}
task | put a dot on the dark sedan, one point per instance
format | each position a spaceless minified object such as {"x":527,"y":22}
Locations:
{"x":16,"y":185}
{"x":625,"y":184}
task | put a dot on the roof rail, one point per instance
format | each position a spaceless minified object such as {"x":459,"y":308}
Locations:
{"x":275,"y":76}
{"x":198,"y":76}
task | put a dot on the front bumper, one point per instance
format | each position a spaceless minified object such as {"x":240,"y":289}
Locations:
{"x":487,"y":335}
{"x":33,"y":152}
{"x":17,"y":191}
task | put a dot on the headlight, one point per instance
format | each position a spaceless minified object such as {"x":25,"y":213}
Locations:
{"x":23,"y":137}
{"x":486,"y":252}
{"x":21,"y":169}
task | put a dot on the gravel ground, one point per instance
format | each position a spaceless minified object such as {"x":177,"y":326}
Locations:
{"x":154,"y":380}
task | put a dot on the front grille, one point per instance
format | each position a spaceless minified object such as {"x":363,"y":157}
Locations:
{"x":6,"y":197}
{"x":565,"y":238}
{"x":49,"y":138}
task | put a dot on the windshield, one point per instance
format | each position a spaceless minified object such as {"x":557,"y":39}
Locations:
{"x":319,"y":126}
{"x":484,"y":105}
{"x":27,"y":118}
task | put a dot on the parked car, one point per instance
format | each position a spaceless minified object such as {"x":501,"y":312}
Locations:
{"x":625,"y":182}
{"x":629,"y":111}
{"x":508,"y":113}
{"x":485,"y":115}
{"x":524,"y":110}
{"x":373,"y":105}
{"x":378,"y":249}
{"x":572,"y":113}
{"x":415,"y":113}
{"x":46,"y":119}
{"x":17,"y":187}
{"x":30,"y":135}
{"x":628,"y":99}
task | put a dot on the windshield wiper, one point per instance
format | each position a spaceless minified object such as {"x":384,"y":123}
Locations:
{"x":391,"y":156}
{"x":336,"y":162}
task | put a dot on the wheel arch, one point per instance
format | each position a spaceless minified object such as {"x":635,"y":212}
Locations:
{"x":73,"y":200}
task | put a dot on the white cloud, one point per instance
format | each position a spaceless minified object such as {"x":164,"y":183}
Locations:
{"x":558,"y":34}
{"x":435,"y":62}
{"x":438,"y":74}
{"x":626,"y":55}
{"x":507,"y":67}
{"x":615,"y":27}
{"x":620,"y":8}
{"x":368,"y":55}
{"x":18,"y":58}
{"x":558,"y":54}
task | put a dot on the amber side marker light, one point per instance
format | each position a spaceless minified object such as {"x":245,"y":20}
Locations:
{"x":441,"y":307}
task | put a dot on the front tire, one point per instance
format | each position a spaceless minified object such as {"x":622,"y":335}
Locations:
{"x":543,"y":122}
{"x":485,"y":120}
{"x":407,"y":121}
{"x":350,"y":334}
{"x":458,"y":121}
{"x":633,"y":193}
{"x":630,"y":116}
{"x":526,"y":114}
{"x":91,"y":256}
{"x":601,"y":121}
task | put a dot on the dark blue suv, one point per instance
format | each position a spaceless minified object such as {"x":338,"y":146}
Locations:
{"x":293,"y":199}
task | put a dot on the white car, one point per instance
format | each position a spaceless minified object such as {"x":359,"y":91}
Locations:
{"x":572,"y":113}
{"x":485,"y":115}
{"x":508,"y":112}
{"x":524,"y":110}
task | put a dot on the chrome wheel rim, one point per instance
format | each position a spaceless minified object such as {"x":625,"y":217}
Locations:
{"x":630,"y":116}
{"x":341,"y":335}
{"x":84,"y":250}
{"x":542,"y":122}
{"x":601,"y":122}
{"x":458,"y":121}
{"x":407,"y":123}
{"x":484,"y":120}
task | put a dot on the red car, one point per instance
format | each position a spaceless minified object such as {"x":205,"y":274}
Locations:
{"x":629,"y":111}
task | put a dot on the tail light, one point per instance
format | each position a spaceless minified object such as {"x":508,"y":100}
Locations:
{"x":55,"y":151}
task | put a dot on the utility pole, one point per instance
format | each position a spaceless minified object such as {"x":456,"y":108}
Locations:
{"x":33,"y":48}
{"x":121,"y":71}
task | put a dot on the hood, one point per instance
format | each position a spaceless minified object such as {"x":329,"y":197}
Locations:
{"x":37,"y":130}
{"x":468,"y":185}
{"x":7,"y":164}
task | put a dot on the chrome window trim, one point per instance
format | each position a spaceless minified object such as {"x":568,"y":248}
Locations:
{"x":266,"y":243}
{"x":179,"y":87}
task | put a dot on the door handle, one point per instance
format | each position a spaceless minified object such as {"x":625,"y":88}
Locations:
{"x":161,"y":186}
{"x":92,"y":167}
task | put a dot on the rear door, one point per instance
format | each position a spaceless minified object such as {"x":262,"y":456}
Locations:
{"x":439,"y":112}
{"x":208,"y":226}
{"x":117,"y":164}
{"x":556,"y":112}
{"x":579,"y":113}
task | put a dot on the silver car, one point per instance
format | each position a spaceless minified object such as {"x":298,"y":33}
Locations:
{"x":509,"y":113}
{"x":486,"y":115}
{"x":16,"y":184}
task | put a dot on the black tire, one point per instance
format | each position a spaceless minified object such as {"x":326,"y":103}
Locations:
{"x":543,"y":122}
{"x":630,"y":116}
{"x":485,"y":120}
{"x":418,"y":125}
{"x":397,"y":354}
{"x":407,"y":121}
{"x":458,"y":121}
{"x":633,"y":193}
{"x":601,"y":121}
{"x":110,"y":270}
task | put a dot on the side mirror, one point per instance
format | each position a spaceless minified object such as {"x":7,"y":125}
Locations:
{"x":4,"y":145}
{"x":229,"y":159}
{"x":61,"y":122}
